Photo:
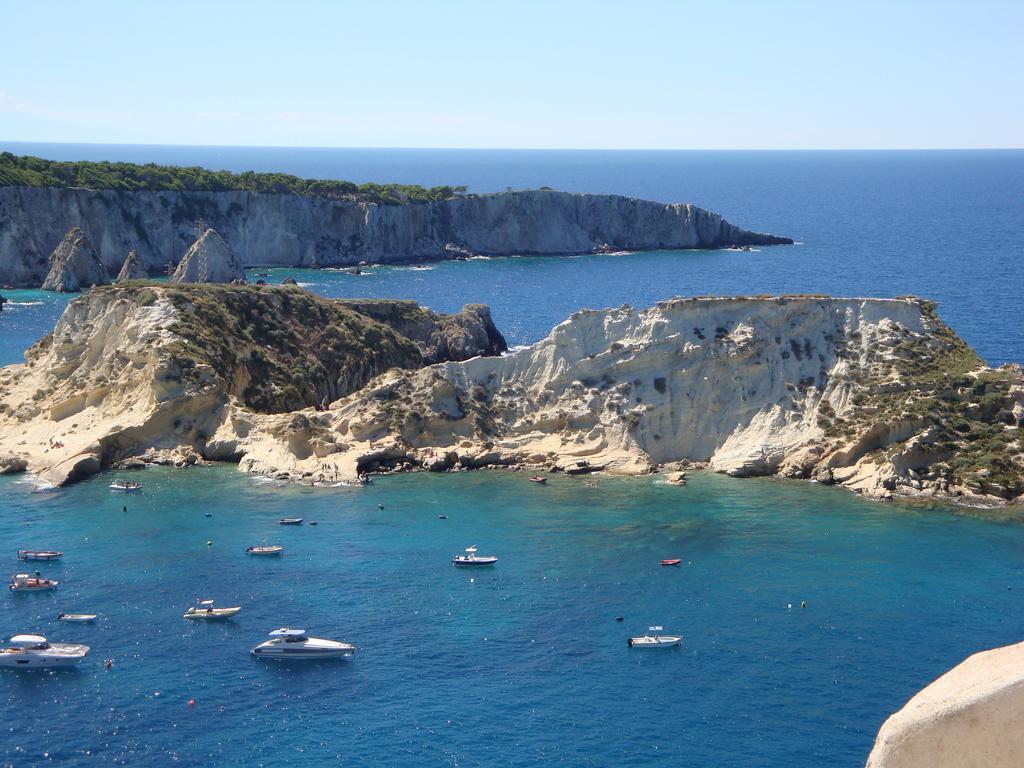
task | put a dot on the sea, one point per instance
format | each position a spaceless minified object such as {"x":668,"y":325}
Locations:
{"x":808,"y":614}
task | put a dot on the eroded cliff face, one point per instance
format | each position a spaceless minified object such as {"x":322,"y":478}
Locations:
{"x":154,"y":370}
{"x":292,"y":230}
{"x":875,"y":394}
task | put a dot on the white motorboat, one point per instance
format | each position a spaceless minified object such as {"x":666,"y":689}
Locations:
{"x":39,"y":554}
{"x":80,"y":618}
{"x":265,"y":549}
{"x":34,"y":652}
{"x":206,"y":610}
{"x":125,"y":486}
{"x":655,"y":640}
{"x":23,"y":582}
{"x":290,"y":521}
{"x":471,"y":558}
{"x":287,"y":643}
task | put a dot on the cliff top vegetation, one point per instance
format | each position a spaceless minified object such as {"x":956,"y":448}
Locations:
{"x":27,"y":171}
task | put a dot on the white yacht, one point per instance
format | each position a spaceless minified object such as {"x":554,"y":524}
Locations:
{"x":206,"y":610}
{"x":471,"y":558}
{"x":287,"y":643}
{"x":39,"y":554}
{"x":80,"y":618}
{"x":125,"y":486}
{"x":23,"y":582}
{"x":265,"y":549}
{"x":655,"y":640}
{"x":33,"y":652}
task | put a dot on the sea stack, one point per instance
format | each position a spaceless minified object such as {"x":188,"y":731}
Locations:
{"x":132,"y":269}
{"x":74,"y":265}
{"x":209,"y":260}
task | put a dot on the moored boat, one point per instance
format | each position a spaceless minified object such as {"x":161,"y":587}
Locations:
{"x":655,"y":640}
{"x":265,"y":549}
{"x":471,"y":558}
{"x":39,"y":554}
{"x":290,"y":521}
{"x":34,"y":651}
{"x":671,"y":561}
{"x":23,"y":582}
{"x":539,"y":480}
{"x":80,"y":618}
{"x":206,"y":610}
{"x":288,"y":643}
{"x":125,"y":486}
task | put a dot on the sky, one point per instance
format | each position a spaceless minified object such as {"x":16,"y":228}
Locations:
{"x":631,"y":74}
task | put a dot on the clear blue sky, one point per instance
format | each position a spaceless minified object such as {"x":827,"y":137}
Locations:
{"x":560,"y":74}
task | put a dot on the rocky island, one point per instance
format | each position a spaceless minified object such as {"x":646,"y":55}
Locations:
{"x":277,"y":220}
{"x":874,"y":394}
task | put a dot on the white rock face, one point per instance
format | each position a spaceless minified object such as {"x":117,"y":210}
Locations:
{"x":132,"y":269}
{"x":804,"y":387}
{"x":971,"y":717}
{"x":74,"y":265}
{"x":290,"y":230}
{"x":209,"y":260}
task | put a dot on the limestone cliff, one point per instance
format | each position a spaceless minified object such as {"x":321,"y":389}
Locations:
{"x":155,"y":370}
{"x":875,"y":394}
{"x":132,"y":269}
{"x":209,"y":260}
{"x":74,"y":265}
{"x":293,"y":230}
{"x":970,"y":717}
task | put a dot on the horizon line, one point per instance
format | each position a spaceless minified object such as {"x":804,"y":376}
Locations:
{"x":515,"y":149}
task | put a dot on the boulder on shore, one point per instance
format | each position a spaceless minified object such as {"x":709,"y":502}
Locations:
{"x":132,"y":269}
{"x":74,"y":265}
{"x":971,"y":716}
{"x":209,"y":260}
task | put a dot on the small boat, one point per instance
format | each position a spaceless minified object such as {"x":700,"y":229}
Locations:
{"x":655,"y":640}
{"x":538,"y":479}
{"x":264,"y":549}
{"x":288,"y":643}
{"x":471,"y":558}
{"x":125,"y":486}
{"x":671,"y":561}
{"x":39,"y":554}
{"x":206,"y":610}
{"x":34,"y":651}
{"x":80,"y":618}
{"x":23,"y":582}
{"x":290,"y":521}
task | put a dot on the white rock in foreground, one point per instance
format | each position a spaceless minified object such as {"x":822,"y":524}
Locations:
{"x":971,"y":717}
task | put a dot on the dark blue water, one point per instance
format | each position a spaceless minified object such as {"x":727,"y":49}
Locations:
{"x":525,"y":665}
{"x":948,"y":225}
{"x":522,"y":665}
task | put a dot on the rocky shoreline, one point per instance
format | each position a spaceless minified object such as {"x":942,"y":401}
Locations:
{"x":875,"y":395}
{"x":300,"y":231}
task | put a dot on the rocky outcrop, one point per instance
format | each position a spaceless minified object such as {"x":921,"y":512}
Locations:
{"x":292,"y":230}
{"x":74,"y":265}
{"x":155,"y":370}
{"x":2,"y":302}
{"x":132,"y":269}
{"x":970,"y":717}
{"x":873,"y":394}
{"x":209,"y":260}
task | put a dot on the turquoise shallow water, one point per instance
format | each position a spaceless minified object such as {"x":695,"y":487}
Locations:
{"x":520,"y":665}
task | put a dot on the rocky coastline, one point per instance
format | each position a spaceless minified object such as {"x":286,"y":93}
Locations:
{"x":294,"y":230}
{"x":875,"y":395}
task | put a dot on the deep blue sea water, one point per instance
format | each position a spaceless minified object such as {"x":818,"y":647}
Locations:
{"x":525,"y":665}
